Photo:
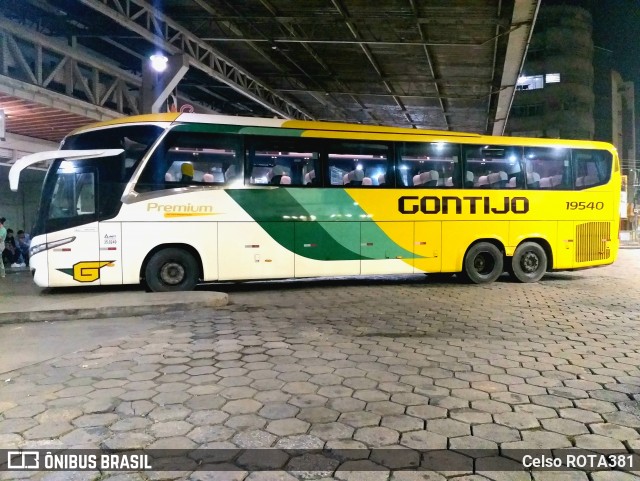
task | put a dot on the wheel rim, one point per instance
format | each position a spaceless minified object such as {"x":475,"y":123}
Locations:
{"x":172,"y":273}
{"x":529,"y":262}
{"x":484,"y":263}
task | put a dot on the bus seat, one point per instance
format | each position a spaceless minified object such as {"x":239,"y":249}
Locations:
{"x":367,"y":181}
{"x":579,"y":181}
{"x":494,"y":180}
{"x":468,"y":179}
{"x":310,"y":178}
{"x":345,"y":179}
{"x":448,"y":182}
{"x":381,"y":179}
{"x":435,"y":176}
{"x":425,"y":179}
{"x":533,"y":180}
{"x":483,"y":182}
{"x":416,"y":180}
{"x":498,"y":180}
{"x":356,"y":177}
{"x":556,"y":180}
{"x":512,"y":184}
{"x":590,"y":180}
{"x":207,"y":178}
{"x":285,"y":180}
{"x":276,"y":175}
{"x":168,"y":177}
{"x":545,"y":183}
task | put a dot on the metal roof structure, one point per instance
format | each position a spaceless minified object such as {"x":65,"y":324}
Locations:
{"x":435,"y":64}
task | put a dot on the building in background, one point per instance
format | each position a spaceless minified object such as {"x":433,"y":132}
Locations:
{"x":555,"y":95}
{"x":570,"y":89}
{"x":614,"y":116}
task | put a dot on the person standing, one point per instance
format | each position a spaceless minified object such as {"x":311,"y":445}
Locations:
{"x":23,"y":247}
{"x":3,"y":236}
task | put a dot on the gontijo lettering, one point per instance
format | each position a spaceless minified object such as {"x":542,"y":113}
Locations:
{"x":430,"y":204}
{"x":179,"y":208}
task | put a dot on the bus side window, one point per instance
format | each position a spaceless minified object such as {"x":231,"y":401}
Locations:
{"x":187,"y":158}
{"x":548,"y":168}
{"x":493,"y":167}
{"x":591,"y":167}
{"x":282,"y":161}
{"x":429,"y":164}
{"x":356,"y":164}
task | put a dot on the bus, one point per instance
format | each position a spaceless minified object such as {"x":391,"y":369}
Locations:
{"x":173,"y":200}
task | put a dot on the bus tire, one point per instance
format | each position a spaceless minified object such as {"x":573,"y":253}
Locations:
{"x":483,"y":263}
{"x":171,"y":270}
{"x":529,"y":262}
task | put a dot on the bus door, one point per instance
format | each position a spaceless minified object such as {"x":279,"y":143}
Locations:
{"x":73,"y":202}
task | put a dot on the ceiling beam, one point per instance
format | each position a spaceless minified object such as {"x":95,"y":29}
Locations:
{"x":157,"y":28}
{"x":524,"y":17}
{"x":367,"y":52}
{"x":430,"y":63}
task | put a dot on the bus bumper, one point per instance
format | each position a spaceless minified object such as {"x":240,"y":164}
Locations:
{"x":38,"y":266}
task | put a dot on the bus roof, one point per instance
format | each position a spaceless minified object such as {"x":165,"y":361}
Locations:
{"x":317,"y":126}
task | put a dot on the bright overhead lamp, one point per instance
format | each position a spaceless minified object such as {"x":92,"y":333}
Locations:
{"x":158,"y":62}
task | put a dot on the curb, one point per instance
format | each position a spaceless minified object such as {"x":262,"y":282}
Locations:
{"x":112,"y":305}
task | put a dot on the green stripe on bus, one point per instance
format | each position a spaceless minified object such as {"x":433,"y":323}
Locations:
{"x":238,"y":129}
{"x":275,"y":209}
{"x":272,"y":131}
{"x":326,"y":222}
{"x":335,"y":207}
{"x":208,"y":128}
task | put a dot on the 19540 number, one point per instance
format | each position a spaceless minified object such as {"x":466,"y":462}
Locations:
{"x":585,"y":205}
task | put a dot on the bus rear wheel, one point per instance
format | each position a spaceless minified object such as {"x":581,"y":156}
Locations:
{"x":529,"y":262}
{"x":171,"y":270}
{"x":483,"y":263}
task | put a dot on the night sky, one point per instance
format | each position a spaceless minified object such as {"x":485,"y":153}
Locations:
{"x":616,"y":27}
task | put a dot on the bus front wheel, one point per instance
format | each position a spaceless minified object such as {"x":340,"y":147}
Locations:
{"x":171,"y":270}
{"x":483,"y":263}
{"x":529,"y":262}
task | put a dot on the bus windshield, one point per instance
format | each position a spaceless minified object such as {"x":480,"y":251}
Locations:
{"x":77,"y":192}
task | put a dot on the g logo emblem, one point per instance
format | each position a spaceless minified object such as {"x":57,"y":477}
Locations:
{"x":89,"y":271}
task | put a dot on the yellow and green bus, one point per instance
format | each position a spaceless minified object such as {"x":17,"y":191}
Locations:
{"x":172,"y":200}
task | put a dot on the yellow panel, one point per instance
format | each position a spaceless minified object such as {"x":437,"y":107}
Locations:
{"x":565,"y":246}
{"x":521,"y":230}
{"x":428,"y":246}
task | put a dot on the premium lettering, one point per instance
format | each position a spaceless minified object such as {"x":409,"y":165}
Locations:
{"x":179,"y":208}
{"x":431,"y":204}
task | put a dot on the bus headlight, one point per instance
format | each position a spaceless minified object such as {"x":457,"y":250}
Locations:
{"x":33,"y":250}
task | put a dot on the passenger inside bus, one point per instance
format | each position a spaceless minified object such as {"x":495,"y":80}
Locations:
{"x":187,"y":173}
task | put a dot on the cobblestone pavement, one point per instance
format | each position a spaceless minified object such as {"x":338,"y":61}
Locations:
{"x":382,"y":362}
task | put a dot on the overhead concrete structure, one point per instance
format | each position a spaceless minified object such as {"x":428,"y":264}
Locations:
{"x":438,"y":64}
